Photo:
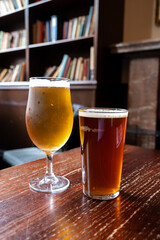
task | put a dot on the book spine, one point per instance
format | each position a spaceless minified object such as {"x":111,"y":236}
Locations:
{"x":89,"y":21}
{"x":63,"y":64}
{"x":78,"y":27}
{"x":22,"y":72}
{"x":66,"y":67}
{"x":19,"y":72}
{"x":15,"y":4}
{"x":85,"y":25}
{"x":15,"y":73}
{"x":69,"y":29}
{"x":85,"y":70}
{"x":3,"y":73}
{"x":91,"y":30}
{"x":69,"y":70}
{"x":92,"y":63}
{"x":80,"y":75}
{"x":78,"y":68}
{"x":64,"y":30}
{"x":54,"y":27}
{"x":1,"y":37}
{"x":72,"y":75}
{"x":11,"y":5}
{"x":19,"y":4}
{"x":74,"y":26}
{"x":48,"y":32}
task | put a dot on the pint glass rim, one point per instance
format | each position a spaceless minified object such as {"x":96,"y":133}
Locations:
{"x":98,"y":112}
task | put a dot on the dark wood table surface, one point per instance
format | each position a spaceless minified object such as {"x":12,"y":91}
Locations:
{"x":135,"y":214}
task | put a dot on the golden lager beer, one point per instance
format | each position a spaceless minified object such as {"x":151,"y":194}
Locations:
{"x":102,"y":134}
{"x":49,"y":115}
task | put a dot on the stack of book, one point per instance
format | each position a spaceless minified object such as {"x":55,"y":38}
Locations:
{"x":13,"y":74}
{"x":45,"y":31}
{"x":80,"y":26}
{"x":12,"y":39}
{"x":10,"y":5}
{"x":78,"y":69}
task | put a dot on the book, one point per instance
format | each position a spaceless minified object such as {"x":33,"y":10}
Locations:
{"x":3,"y":73}
{"x":81,"y":25}
{"x":74,"y":27}
{"x":85,"y":69}
{"x":80,"y":75}
{"x":73,"y":69}
{"x":69,"y":28}
{"x":65,"y":29}
{"x":15,"y":4}
{"x":66,"y":67}
{"x":92,"y":63}
{"x":5,"y":40}
{"x":19,"y":73}
{"x":1,"y":37}
{"x":88,"y":21}
{"x":14,"y":41}
{"x":48,"y":33}
{"x":91,"y":30}
{"x":63,"y":64}
{"x":19,"y":3}
{"x":11,"y":5}
{"x":78,"y":68}
{"x":53,"y":27}
{"x":15,"y":73}
{"x":6,"y":6}
{"x":78,"y":27}
{"x":8,"y":76}
{"x":22,"y":2}
{"x":2,"y":8}
{"x":23,"y":37}
{"x":39,"y":25}
{"x":85,"y":25}
{"x":23,"y":69}
{"x":69,"y":70}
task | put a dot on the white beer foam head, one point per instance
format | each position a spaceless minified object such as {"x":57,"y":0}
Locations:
{"x":103,"y":113}
{"x":44,"y":82}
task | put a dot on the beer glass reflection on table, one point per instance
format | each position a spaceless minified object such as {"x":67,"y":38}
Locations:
{"x":102,"y":135}
{"x":49,"y":121}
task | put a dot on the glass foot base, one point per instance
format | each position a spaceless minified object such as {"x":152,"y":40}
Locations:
{"x":102,"y":197}
{"x":48,"y":185}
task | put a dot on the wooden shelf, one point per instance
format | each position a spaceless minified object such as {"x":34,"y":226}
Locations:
{"x":25,"y":85}
{"x":15,"y":12}
{"x":62,"y":41}
{"x":12,"y":50}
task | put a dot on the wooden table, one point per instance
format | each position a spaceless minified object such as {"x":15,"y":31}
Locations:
{"x":135,"y":214}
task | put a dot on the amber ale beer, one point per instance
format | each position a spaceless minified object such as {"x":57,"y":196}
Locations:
{"x":102,"y":135}
{"x":49,"y":115}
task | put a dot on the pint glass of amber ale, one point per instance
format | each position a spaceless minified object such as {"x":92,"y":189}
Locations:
{"x":102,"y":135}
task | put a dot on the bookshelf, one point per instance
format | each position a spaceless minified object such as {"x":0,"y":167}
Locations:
{"x":108,"y":26}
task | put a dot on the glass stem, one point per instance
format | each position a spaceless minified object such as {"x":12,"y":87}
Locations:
{"x":49,"y":175}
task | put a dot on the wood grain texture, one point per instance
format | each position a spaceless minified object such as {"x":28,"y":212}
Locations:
{"x":135,"y":214}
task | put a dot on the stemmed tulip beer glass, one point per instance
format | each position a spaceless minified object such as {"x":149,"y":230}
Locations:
{"x":49,"y":121}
